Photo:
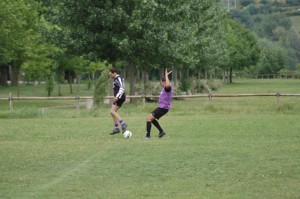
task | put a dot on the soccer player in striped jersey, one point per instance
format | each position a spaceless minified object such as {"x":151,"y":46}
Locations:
{"x":118,"y":100}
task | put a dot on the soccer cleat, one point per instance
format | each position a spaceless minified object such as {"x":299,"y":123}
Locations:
{"x":147,"y":137}
{"x":124,"y":128}
{"x":115,"y":132}
{"x":161,"y":134}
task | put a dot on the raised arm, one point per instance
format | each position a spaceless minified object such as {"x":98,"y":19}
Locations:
{"x":167,"y":78}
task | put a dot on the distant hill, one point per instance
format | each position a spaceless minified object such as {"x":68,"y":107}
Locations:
{"x":268,"y":20}
{"x":296,"y":22}
{"x":289,"y":8}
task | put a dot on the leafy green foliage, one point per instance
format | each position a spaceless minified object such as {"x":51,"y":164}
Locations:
{"x":18,"y":22}
{"x":185,"y":84}
{"x":146,"y":33}
{"x":242,"y":48}
{"x":101,"y":88}
{"x":22,"y":44}
{"x":273,"y":58}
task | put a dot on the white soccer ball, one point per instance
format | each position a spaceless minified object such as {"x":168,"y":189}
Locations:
{"x":127,"y":134}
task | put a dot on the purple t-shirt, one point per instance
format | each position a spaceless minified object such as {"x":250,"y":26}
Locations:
{"x":165,"y":98}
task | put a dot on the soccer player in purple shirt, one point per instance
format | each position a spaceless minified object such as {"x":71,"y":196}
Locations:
{"x":164,"y":105}
{"x":118,"y":100}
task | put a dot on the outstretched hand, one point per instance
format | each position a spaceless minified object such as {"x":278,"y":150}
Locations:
{"x":167,"y":73}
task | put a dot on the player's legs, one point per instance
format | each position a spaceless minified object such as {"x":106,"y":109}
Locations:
{"x":113,"y":111}
{"x":152,"y":118}
{"x":117,"y":118}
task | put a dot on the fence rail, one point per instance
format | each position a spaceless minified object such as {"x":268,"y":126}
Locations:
{"x":149,"y":96}
{"x":273,"y":76}
{"x":144,"y":97}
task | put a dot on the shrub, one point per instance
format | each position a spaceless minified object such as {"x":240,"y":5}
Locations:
{"x":100,"y":89}
{"x":206,"y":86}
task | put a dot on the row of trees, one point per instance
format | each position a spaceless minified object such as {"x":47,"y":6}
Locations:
{"x":43,"y":38}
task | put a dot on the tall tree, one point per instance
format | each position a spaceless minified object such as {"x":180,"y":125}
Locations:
{"x":18,"y":23}
{"x":243,"y":47}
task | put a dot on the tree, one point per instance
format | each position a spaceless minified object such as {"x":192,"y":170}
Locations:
{"x":148,"y":33}
{"x":213,"y":48}
{"x":273,"y":57}
{"x":38,"y":62}
{"x":243,"y":48}
{"x":19,"y":21}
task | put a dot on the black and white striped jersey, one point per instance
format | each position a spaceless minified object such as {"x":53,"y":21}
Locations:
{"x":119,"y":87}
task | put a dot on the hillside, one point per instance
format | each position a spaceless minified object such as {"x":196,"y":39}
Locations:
{"x":296,"y":22}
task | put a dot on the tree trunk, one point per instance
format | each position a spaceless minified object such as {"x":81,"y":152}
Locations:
{"x":224,"y":77}
{"x":145,"y":78}
{"x":14,"y":76}
{"x":161,"y":72}
{"x":174,"y":77}
{"x":59,"y":81}
{"x":138,"y":75}
{"x":230,"y":75}
{"x":70,"y":81}
{"x":187,"y":73}
{"x":193,"y":84}
{"x":78,"y":84}
{"x":3,"y":75}
{"x":131,"y":75}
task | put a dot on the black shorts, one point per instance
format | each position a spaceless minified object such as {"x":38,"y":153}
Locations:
{"x":119,"y":102}
{"x":159,"y":112}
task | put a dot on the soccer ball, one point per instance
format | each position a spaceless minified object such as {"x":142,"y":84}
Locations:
{"x":127,"y":134}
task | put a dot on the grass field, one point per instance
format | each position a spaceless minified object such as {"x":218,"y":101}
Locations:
{"x":224,"y":148}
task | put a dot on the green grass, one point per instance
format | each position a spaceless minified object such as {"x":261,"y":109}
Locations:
{"x":225,"y":148}
{"x":240,"y":156}
{"x":254,"y":86}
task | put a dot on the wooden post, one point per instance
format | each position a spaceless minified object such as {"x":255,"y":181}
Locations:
{"x":77,"y":104}
{"x":10,"y":102}
{"x":144,"y":100}
{"x":277,"y":97}
{"x":209,"y":96}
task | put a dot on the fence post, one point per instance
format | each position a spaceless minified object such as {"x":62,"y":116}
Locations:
{"x":144,"y":99}
{"x":78,"y":105}
{"x":277,"y":97}
{"x":209,"y":96}
{"x":10,"y":102}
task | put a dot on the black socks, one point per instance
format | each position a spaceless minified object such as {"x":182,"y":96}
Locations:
{"x":156,"y":124}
